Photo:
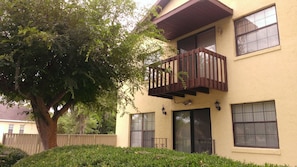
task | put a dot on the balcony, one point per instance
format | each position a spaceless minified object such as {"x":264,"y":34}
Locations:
{"x":195,"y":71}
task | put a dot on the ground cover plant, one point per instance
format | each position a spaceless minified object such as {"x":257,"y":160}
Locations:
{"x":98,"y":155}
{"x":9,"y":156}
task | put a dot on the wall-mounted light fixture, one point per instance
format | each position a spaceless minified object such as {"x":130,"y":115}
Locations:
{"x":163,"y":110}
{"x":217,"y":104}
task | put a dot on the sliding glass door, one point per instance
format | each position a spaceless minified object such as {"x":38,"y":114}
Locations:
{"x":192,"y":131}
{"x":182,"y":131}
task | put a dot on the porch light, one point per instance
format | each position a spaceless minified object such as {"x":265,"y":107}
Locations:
{"x":163,"y":110}
{"x":217,"y":104}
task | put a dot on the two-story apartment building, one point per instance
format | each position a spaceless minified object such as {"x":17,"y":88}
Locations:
{"x":231,"y":87}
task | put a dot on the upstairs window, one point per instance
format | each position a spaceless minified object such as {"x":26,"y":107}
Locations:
{"x":257,"y":31}
{"x":10,"y":128}
{"x":22,"y":129}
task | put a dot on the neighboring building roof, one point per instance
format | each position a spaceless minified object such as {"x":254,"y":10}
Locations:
{"x":14,"y":112}
{"x":190,"y":16}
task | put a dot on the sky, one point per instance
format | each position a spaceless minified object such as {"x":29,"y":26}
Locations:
{"x":145,"y":3}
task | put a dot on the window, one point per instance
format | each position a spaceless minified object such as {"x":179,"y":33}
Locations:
{"x":257,"y":31}
{"x":10,"y":128}
{"x":22,"y":128}
{"x":255,"y":125}
{"x":142,"y":130}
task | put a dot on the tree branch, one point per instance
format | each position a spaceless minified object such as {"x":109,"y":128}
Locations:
{"x":16,"y":78}
{"x":56,"y":99}
{"x":17,"y":74}
{"x":60,"y":112}
{"x":40,"y":109}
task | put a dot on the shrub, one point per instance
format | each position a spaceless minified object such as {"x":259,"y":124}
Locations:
{"x":98,"y":155}
{"x":9,"y":155}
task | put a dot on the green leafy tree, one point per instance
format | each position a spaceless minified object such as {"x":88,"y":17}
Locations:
{"x":56,"y":53}
{"x":74,"y":123}
{"x":91,"y":118}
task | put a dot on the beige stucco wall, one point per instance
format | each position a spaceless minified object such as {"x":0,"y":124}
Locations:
{"x":29,"y":127}
{"x":270,"y":74}
{"x":145,"y":104}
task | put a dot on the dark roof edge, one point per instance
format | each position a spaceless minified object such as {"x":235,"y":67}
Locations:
{"x":188,"y":4}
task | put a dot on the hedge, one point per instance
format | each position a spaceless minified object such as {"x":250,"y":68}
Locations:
{"x":9,"y":156}
{"x":108,"y":156}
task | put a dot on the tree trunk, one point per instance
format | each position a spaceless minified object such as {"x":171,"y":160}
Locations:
{"x":46,"y":126}
{"x":81,"y":123}
{"x":47,"y":132}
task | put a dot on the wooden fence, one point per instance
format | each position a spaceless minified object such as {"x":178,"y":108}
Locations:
{"x":31,"y":143}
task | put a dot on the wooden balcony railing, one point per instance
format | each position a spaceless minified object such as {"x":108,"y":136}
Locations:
{"x":195,"y":71}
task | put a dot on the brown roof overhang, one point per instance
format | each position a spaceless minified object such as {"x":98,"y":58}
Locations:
{"x":190,"y":16}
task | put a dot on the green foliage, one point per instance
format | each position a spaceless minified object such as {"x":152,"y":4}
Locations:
{"x":76,"y":48}
{"x":78,"y":121}
{"x":78,"y":156}
{"x":91,"y":118}
{"x":92,"y":123}
{"x":9,"y":156}
{"x":182,"y":75}
{"x":57,"y":53}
